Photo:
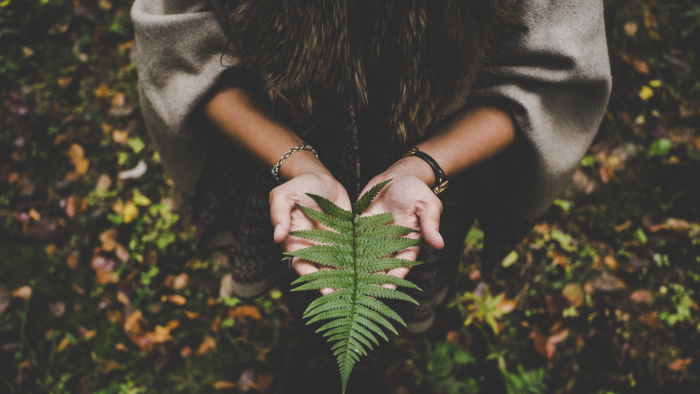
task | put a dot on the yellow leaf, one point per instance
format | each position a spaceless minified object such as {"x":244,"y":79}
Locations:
{"x":130,"y":212}
{"x":646,"y":93}
{"x":224,"y":385}
{"x":207,"y":345}
{"x":655,"y":83}
{"x":510,"y":259}
{"x":62,"y":345}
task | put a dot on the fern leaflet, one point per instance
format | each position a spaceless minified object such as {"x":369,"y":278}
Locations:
{"x":358,"y":250}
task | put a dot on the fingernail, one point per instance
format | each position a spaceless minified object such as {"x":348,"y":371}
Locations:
{"x":278,"y":228}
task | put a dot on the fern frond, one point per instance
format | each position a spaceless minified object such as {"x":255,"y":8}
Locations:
{"x":330,"y":208}
{"x":330,"y":221}
{"x":358,"y":249}
{"x":324,"y":236}
{"x":363,"y":203}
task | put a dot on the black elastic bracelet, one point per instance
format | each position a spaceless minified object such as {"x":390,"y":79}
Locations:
{"x":441,"y":181}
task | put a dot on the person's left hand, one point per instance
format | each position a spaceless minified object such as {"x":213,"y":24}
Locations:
{"x":412,"y":204}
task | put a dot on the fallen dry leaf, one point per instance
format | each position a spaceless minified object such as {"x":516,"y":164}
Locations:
{"x":177,"y":299}
{"x":72,"y":260}
{"x":104,"y":270}
{"x":611,"y":263}
{"x":57,"y":308}
{"x":641,"y":296}
{"x":640,"y":65}
{"x":162,"y":334}
{"x":572,"y":292}
{"x":186,"y":352}
{"x":135,"y":322}
{"x":23,"y":292}
{"x":104,"y":182}
{"x":63,"y":344}
{"x":223,"y":385}
{"x":85,"y":333}
{"x":607,"y":282}
{"x":651,"y":319}
{"x":206,"y":346}
{"x":121,"y":347}
{"x":122,"y":254}
{"x":135,"y":172}
{"x":181,"y":281}
{"x":107,"y":366}
{"x":120,"y":136}
{"x":505,"y":305}
{"x":539,"y":343}
{"x":245,"y":310}
{"x":631,"y":28}
{"x":552,"y":342}
{"x":109,"y":239}
{"x":679,"y":364}
{"x":76,"y":153}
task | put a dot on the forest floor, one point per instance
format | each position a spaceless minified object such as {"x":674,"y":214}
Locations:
{"x":101,"y":290}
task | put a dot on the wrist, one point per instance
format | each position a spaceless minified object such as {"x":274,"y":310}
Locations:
{"x":301,"y":162}
{"x":414,"y":166}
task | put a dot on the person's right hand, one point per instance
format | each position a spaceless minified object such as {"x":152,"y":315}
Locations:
{"x":287,"y":217}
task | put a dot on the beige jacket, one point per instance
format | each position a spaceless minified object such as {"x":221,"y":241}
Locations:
{"x":556,"y":83}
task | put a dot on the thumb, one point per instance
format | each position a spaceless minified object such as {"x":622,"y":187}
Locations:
{"x":430,"y":224}
{"x":280,"y":213}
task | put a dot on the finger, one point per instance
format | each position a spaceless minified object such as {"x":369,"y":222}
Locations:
{"x":303,"y":267}
{"x":399,"y":272}
{"x":326,"y":290}
{"x":280,"y":213}
{"x":429,"y":218}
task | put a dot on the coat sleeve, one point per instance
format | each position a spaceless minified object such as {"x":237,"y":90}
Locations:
{"x":180,"y":46}
{"x":555,"y":81}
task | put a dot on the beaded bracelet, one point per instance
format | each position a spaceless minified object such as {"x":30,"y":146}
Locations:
{"x":276,"y":168}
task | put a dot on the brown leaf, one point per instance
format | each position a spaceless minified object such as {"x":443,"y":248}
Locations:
{"x":34,"y":215}
{"x":223,"y":385}
{"x":622,"y":227}
{"x":23,"y":292}
{"x":135,"y":322}
{"x":552,"y":342}
{"x":104,"y":270}
{"x":506,"y":305}
{"x":70,"y":207}
{"x":641,"y":296}
{"x":572,"y":292}
{"x":121,"y":347}
{"x":181,"y":281}
{"x":539,"y":343}
{"x":72,"y":260}
{"x":676,"y":225}
{"x":651,"y":319}
{"x":640,"y":65}
{"x":85,"y":333}
{"x":76,"y":153}
{"x":611,"y":263}
{"x":245,"y":310}
{"x":109,"y":239}
{"x":206,"y":346}
{"x":162,"y":334}
{"x":120,"y":136}
{"x":107,"y":366}
{"x":607,"y":282}
{"x":679,"y":364}
{"x":177,"y":299}
{"x":57,"y":308}
{"x":186,"y":352}
{"x":475,"y":275}
{"x":631,"y":28}
{"x":122,"y":254}
{"x":104,"y":182}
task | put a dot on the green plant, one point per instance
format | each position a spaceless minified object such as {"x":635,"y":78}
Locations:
{"x":357,"y":249}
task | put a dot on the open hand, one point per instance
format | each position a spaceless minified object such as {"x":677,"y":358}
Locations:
{"x":287,"y":217}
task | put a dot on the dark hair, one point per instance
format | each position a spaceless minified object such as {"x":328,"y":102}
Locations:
{"x":405,"y":58}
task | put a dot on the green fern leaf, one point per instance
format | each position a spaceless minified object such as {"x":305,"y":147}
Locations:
{"x":363,"y":203}
{"x":360,"y":250}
